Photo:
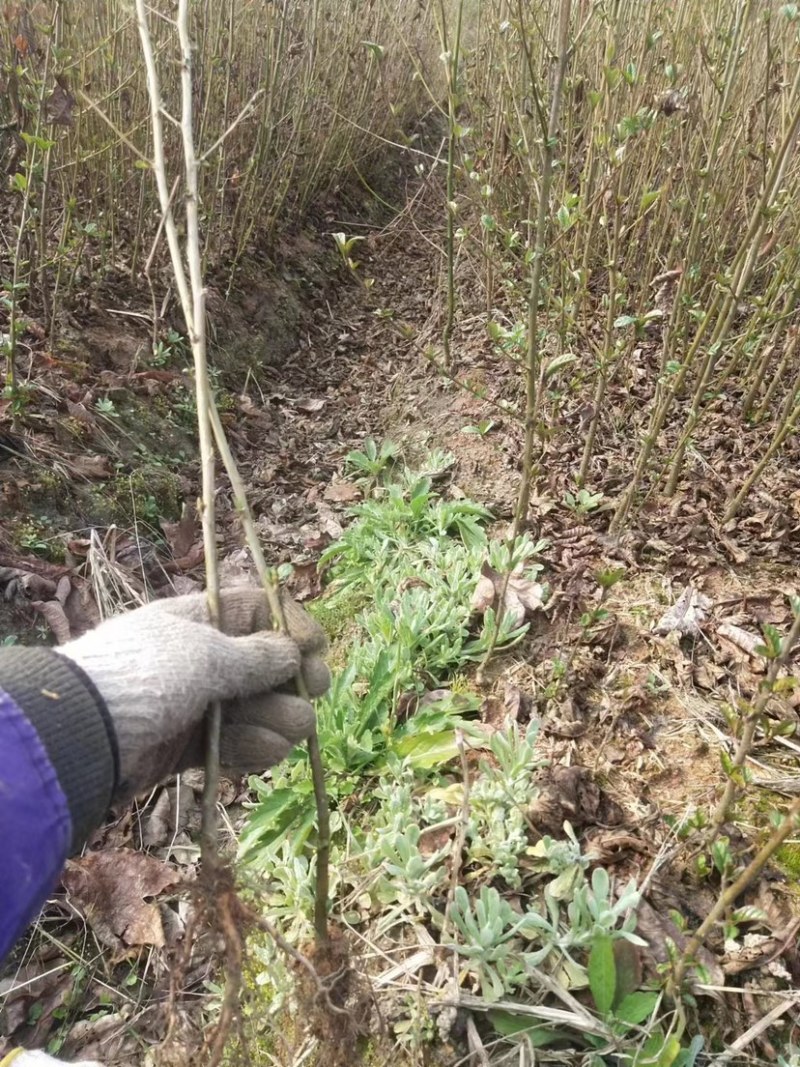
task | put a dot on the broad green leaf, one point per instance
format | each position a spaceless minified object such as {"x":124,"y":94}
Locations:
{"x":427,"y":750}
{"x":559,"y":363}
{"x":670,"y":1052}
{"x":648,"y":199}
{"x":602,"y":973}
{"x":377,"y":49}
{"x":636,"y":1007}
{"x":539,"y":1034}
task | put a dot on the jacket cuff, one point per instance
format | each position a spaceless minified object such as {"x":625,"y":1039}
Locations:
{"x":65,"y":708}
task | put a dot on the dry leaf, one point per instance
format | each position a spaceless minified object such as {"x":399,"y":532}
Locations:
{"x":182,"y":535}
{"x":111,"y":888}
{"x":341,"y":493}
{"x":89,"y":466}
{"x":310,"y":405}
{"x":528,"y":593}
{"x":483,"y":597}
{"x":743,"y":639}
{"x":522,"y":597}
{"x":686,"y":615}
{"x":328,"y":522}
{"x":305,"y":582}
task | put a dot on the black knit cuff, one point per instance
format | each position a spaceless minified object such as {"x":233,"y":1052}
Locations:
{"x":65,"y":708}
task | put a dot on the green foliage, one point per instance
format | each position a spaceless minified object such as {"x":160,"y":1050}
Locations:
{"x":370,"y":462}
{"x":413,"y":559}
{"x":583,"y":502}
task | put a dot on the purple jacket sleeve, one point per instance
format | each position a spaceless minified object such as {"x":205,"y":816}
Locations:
{"x":58,"y":769}
{"x":35,"y":823}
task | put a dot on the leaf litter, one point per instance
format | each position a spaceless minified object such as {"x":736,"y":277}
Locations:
{"x":633,"y":734}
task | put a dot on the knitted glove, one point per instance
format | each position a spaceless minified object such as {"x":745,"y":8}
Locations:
{"x":24,"y":1058}
{"x":158,"y":668}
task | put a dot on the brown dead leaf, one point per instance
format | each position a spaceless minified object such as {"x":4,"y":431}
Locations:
{"x":341,"y":493}
{"x":182,"y":535}
{"x":111,"y":887}
{"x":514,"y":703}
{"x":80,"y":608}
{"x":528,"y":593}
{"x":745,"y":640}
{"x":158,"y":828}
{"x":305,"y":582}
{"x":89,"y":466}
{"x":687,"y":614}
{"x":483,"y":597}
{"x":571,"y":794}
{"x":311,"y":405}
{"x":60,"y":104}
{"x":658,"y":930}
{"x":328,"y":522}
{"x":522,"y":597}
{"x":431,"y":841}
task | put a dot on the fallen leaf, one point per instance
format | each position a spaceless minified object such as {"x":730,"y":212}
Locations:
{"x":431,"y":841}
{"x":483,"y":597}
{"x":89,"y":466}
{"x":80,"y":608}
{"x":182,"y":535}
{"x":521,"y":597}
{"x":111,"y":887}
{"x":305,"y":582}
{"x":743,"y":639}
{"x":328,"y":522}
{"x":528,"y":593}
{"x":60,"y":103}
{"x":341,"y":493}
{"x":513,"y":702}
{"x":686,"y":615}
{"x":310,"y":405}
{"x":659,"y":931}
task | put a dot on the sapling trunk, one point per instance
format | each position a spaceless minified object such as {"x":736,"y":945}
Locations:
{"x":192,"y":296}
{"x":787,"y":360}
{"x":451,"y":50}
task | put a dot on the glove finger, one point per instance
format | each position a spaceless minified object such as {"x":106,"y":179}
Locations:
{"x":289,"y":716}
{"x":251,"y":749}
{"x":245,"y":610}
{"x":245,"y":666}
{"x":316,"y":676}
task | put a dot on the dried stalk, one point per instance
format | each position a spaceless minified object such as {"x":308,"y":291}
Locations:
{"x":192,"y":297}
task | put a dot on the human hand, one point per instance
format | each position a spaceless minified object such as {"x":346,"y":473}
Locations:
{"x":159,"y":667}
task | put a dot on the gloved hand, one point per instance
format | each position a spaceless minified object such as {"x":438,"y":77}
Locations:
{"x":159,"y":667}
{"x":26,"y":1058}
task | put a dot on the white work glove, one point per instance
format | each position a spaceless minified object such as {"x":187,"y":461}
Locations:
{"x":159,"y":667}
{"x":25,"y":1058}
